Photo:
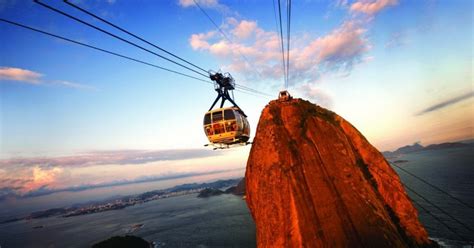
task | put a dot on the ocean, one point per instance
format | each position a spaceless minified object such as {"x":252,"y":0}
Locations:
{"x":452,"y":170}
{"x":183,"y":221}
{"x":224,"y":221}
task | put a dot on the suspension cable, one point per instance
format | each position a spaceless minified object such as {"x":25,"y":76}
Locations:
{"x":282,"y":45}
{"x":276,"y":22}
{"x":238,"y":50}
{"x":138,"y":46}
{"x":226,"y":37}
{"x":243,"y":90}
{"x":101,"y":49}
{"x":440,"y":209}
{"x":117,"y":37}
{"x":423,"y":208}
{"x":130,"y":33}
{"x":253,"y":90}
{"x":433,"y":186}
{"x":288,"y":43}
{"x":441,"y":221}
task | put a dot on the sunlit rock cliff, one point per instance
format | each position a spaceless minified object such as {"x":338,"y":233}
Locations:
{"x":313,"y":180}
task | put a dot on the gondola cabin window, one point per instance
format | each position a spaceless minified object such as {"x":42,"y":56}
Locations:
{"x":207,"y":119}
{"x":216,"y":116}
{"x":229,"y":114}
{"x":230,"y":123}
{"x":246,"y":127}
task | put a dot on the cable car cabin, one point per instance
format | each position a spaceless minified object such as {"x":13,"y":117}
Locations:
{"x":226,"y":126}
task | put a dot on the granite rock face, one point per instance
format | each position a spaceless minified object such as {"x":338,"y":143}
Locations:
{"x":313,"y":180}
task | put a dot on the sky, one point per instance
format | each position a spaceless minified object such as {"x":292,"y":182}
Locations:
{"x":71,"y":117}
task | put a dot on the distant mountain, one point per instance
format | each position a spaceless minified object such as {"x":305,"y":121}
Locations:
{"x":239,"y":189}
{"x":413,"y":148}
{"x":417,"y":148}
{"x":217,"y":185}
{"x":210,"y":192}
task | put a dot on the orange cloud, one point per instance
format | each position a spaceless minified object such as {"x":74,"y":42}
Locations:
{"x":341,"y":48}
{"x":45,"y":175}
{"x":343,"y":44}
{"x":244,"y":29}
{"x":372,"y":7}
{"x":41,"y":178}
{"x":31,"y":77}
{"x":18,"y":74}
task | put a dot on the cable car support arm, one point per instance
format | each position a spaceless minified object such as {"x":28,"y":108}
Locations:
{"x":223,"y":83}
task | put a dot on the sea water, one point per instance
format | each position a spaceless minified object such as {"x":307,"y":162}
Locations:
{"x":183,"y":221}
{"x":452,"y":170}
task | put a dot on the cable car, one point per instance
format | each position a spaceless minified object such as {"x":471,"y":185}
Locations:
{"x":225,"y":126}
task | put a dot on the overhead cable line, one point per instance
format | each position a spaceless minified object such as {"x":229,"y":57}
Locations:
{"x":117,"y":54}
{"x":429,"y":202}
{"x":282,"y":45}
{"x":433,"y":186}
{"x":253,"y":90}
{"x":117,"y":37}
{"x":136,"y":45}
{"x":225,"y":36}
{"x":156,"y":46}
{"x":288,"y":28}
{"x":276,"y":22}
{"x":440,"y":209}
{"x":101,"y":49}
{"x":441,"y":221}
{"x":230,"y":40}
{"x":278,"y":32}
{"x":133,"y":35}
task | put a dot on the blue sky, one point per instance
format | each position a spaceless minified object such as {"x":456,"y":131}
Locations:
{"x":377,"y":63}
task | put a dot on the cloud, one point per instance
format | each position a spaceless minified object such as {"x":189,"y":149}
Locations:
{"x":244,"y":29}
{"x":317,"y":95}
{"x":254,"y":53}
{"x":45,"y":175}
{"x":24,"y":181}
{"x":44,"y":186}
{"x":42,"y":178}
{"x":73,"y":85}
{"x":14,"y":183}
{"x":109,"y":157}
{"x":343,"y":47}
{"x":446,"y":103}
{"x":338,"y":50}
{"x":341,"y":3}
{"x":203,"y":3}
{"x":31,"y":77}
{"x":372,"y":7}
{"x":18,"y":74}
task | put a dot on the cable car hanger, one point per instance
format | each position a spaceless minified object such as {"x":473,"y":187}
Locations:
{"x":225,"y":126}
{"x":222,"y":84}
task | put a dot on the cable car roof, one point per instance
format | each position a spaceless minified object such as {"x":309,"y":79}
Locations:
{"x":224,"y":108}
